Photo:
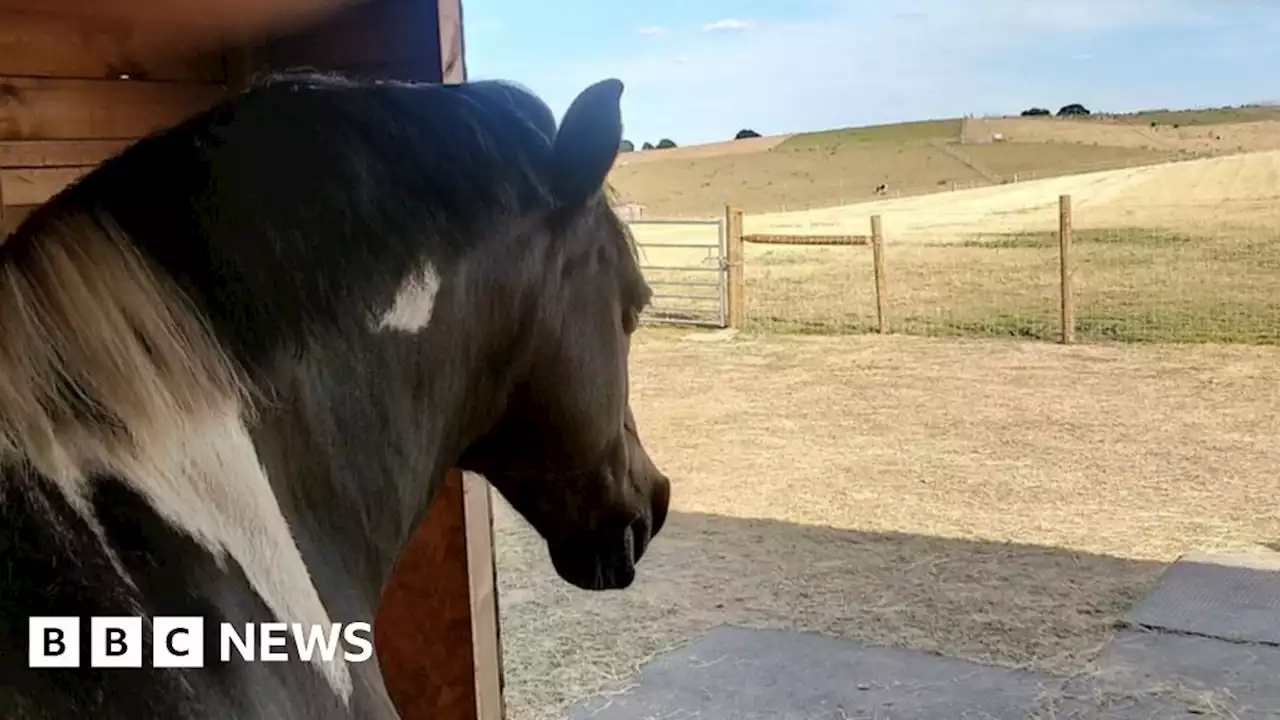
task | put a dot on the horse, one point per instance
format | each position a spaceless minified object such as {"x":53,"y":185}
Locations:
{"x":238,"y":358}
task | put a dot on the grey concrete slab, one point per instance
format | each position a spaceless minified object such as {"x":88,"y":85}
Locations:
{"x":747,"y":674}
{"x":1233,"y":597}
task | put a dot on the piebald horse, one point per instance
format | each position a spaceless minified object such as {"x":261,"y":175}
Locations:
{"x":238,"y":359}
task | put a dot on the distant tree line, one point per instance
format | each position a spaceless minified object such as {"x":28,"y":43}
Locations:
{"x":1074,"y":109}
{"x":628,"y":146}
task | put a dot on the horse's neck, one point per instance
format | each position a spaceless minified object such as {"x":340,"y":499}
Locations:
{"x":355,"y":449}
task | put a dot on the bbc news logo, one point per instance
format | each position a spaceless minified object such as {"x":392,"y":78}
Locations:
{"x":179,"y":642}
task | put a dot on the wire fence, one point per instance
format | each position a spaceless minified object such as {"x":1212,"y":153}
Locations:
{"x":1181,"y":272}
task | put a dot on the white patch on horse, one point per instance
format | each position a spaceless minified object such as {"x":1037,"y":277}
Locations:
{"x":206,"y":480}
{"x":414,"y":302}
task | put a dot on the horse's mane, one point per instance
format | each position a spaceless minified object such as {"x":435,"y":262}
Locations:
{"x":98,"y":347}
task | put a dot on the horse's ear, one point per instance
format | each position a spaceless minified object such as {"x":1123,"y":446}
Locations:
{"x":587,"y":143}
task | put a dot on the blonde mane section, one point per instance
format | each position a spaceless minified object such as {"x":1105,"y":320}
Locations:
{"x":106,"y":366}
{"x":88,"y":325}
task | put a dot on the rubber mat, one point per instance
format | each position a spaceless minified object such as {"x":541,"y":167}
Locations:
{"x":1231,"y":597}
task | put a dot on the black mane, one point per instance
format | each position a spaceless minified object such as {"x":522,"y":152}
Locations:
{"x":307,"y":195}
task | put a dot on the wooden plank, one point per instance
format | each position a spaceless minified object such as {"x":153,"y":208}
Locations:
{"x":453,"y":57}
{"x":736,"y":291}
{"x":11,"y":216}
{"x":423,"y":631}
{"x":39,"y":44}
{"x":33,"y":186}
{"x":877,"y":261}
{"x":1065,"y":236}
{"x":61,"y":109}
{"x":58,"y":153}
{"x":177,"y":25}
{"x":486,"y":643}
{"x":376,"y":33}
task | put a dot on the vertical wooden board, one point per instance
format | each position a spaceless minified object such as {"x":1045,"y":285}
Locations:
{"x":38,"y":44}
{"x":486,"y":640}
{"x":1065,"y":237}
{"x":453,"y":56}
{"x":423,"y":630}
{"x":736,"y":294}
{"x":61,"y":109}
{"x":877,"y":261}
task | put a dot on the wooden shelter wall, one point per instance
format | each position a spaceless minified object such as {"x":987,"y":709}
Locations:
{"x":74,"y":91}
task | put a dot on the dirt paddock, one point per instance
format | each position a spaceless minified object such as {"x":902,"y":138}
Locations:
{"x":999,"y":501}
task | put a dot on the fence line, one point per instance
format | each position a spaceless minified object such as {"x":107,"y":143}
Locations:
{"x":1217,"y":279}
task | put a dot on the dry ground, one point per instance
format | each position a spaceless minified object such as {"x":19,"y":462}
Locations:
{"x":729,"y":147}
{"x":1180,"y":252}
{"x":834,"y":169}
{"x":839,"y":167}
{"x":1216,"y":138}
{"x":991,"y":500}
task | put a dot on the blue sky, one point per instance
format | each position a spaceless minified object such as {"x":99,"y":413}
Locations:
{"x":700,"y":70}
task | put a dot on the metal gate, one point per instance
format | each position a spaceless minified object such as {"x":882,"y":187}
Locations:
{"x":684,"y":262}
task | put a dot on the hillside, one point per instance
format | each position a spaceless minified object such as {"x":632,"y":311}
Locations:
{"x":839,"y":167}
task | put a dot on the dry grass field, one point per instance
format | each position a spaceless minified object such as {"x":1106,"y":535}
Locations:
{"x":840,"y":167}
{"x":981,"y":498}
{"x":992,"y":500}
{"x":1179,"y":252}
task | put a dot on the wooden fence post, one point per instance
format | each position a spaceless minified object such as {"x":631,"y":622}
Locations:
{"x":1064,"y":260}
{"x":736,"y":295}
{"x":877,"y":258}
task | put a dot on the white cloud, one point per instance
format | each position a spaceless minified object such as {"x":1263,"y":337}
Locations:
{"x":728,"y":25}
{"x":650,"y":30}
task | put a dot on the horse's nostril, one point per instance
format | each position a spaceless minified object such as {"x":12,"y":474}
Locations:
{"x":637,"y":539}
{"x":629,"y":545}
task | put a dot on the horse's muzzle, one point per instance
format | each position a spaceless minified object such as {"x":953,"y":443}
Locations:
{"x":607,"y":563}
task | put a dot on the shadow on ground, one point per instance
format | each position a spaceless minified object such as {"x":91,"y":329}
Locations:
{"x":1046,"y":611}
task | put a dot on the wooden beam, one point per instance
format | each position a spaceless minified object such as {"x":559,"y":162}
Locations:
{"x":486,"y":635}
{"x":177,"y":26}
{"x":453,"y":52}
{"x":62,"y":109}
{"x":41,"y":44}
{"x":736,"y":290}
{"x":33,"y":186}
{"x":57,"y":153}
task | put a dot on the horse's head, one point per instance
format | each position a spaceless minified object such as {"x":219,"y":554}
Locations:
{"x":565,"y":450}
